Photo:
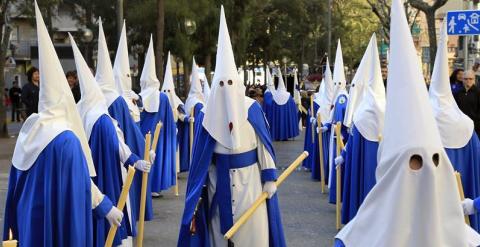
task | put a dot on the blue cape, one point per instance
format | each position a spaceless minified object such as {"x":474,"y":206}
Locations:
{"x":282,"y":119}
{"x":50,"y":203}
{"x":359,"y":173}
{"x":466,"y":161}
{"x":105,"y":153}
{"x":202,"y":157}
{"x":163,"y":172}
{"x":136,"y":142}
{"x":338,"y":116}
{"x":183,"y":137}
{"x":309,"y":144}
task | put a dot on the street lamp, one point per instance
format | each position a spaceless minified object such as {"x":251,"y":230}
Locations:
{"x":285,"y":61}
{"x":87,"y":35}
{"x":190,"y":26}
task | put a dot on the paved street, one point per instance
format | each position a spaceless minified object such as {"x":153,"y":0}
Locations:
{"x":307,"y":217}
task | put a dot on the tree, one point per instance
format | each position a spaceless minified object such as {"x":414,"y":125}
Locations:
{"x":160,"y":30}
{"x":429,"y":11}
{"x":5,"y":31}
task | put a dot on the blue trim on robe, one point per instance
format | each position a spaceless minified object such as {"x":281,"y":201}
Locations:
{"x":338,"y":116}
{"x":103,"y":208}
{"x":136,"y":142}
{"x":310,"y":145}
{"x":359,"y":173}
{"x":338,"y":243}
{"x":104,"y":145}
{"x":50,"y":203}
{"x":269,"y":175}
{"x":163,"y":172}
{"x":282,"y":119}
{"x":202,"y":157}
{"x":466,"y":161}
{"x":131,"y":160}
{"x":183,"y":143}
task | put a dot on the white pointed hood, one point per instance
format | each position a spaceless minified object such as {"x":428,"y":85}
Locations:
{"x":270,"y":83}
{"x":206,"y":87}
{"x":226,"y":110}
{"x":370,"y":113}
{"x":455,"y":127}
{"x":339,"y":81}
{"x":358,"y":85}
{"x":150,"y":85}
{"x":92,"y":105}
{"x":57,"y":111}
{"x":169,"y":88}
{"x":104,"y":73}
{"x":326,"y":100}
{"x":281,"y":95}
{"x":121,"y":72}
{"x":409,"y":207}
{"x":195,"y":94}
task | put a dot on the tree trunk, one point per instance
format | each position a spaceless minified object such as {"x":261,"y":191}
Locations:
{"x":208,"y":65}
{"x":160,"y":32}
{"x":432,"y":37}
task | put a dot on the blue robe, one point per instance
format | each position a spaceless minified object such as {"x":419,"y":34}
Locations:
{"x":338,"y":116}
{"x":163,"y":172}
{"x":202,"y":157}
{"x":466,"y":161}
{"x":359,"y":173}
{"x":136,"y":142}
{"x":309,"y":144}
{"x":105,"y":153}
{"x":183,"y":137}
{"x":282,"y":119}
{"x":50,"y":204}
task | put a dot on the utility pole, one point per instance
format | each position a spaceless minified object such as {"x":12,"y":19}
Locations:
{"x":119,"y":9}
{"x":329,"y":23}
{"x":468,"y":6}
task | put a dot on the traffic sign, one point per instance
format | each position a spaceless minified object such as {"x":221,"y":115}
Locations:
{"x":464,"y":22}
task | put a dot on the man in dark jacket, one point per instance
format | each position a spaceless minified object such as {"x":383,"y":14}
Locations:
{"x":30,"y":91}
{"x":15,"y":93}
{"x":468,"y":99}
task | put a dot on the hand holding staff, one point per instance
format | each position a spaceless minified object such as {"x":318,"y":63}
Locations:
{"x":462,"y":194}
{"x":261,"y":199}
{"x":121,"y":203}
{"x":143,"y":195}
{"x":320,"y":152}
{"x":338,"y":203}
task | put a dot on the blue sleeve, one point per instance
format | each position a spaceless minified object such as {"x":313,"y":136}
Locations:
{"x":269,"y":175}
{"x":338,"y":243}
{"x":103,"y":208}
{"x":476,"y":204}
{"x":131,"y":160}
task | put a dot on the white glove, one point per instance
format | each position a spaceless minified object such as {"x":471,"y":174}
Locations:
{"x":312,"y":120}
{"x":322,"y":129}
{"x":142,"y":165}
{"x":339,"y":160}
{"x":191,"y":119}
{"x":468,"y":208}
{"x":270,"y":188}
{"x":114,"y":216}
{"x":152,"y":156}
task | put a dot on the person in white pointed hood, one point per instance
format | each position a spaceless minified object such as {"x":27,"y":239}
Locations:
{"x":122,"y":75}
{"x":204,"y":82}
{"x":195,"y":100}
{"x":337,"y":115}
{"x":111,"y":156}
{"x":456,"y":129}
{"x":281,"y":111}
{"x":168,"y":88}
{"x":234,"y":150}
{"x":50,"y":190}
{"x":359,"y":158}
{"x":119,"y":111}
{"x":156,"y":108}
{"x":416,"y":201}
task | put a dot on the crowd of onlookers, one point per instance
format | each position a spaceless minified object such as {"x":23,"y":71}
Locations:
{"x":23,"y":101}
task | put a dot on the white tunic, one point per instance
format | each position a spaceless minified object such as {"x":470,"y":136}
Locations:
{"x":246,"y":187}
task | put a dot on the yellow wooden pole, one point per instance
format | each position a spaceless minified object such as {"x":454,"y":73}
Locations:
{"x":462,"y":194}
{"x":143,"y":195}
{"x":320,"y":152}
{"x":338,"y":204}
{"x":191,"y":133}
{"x":312,"y":112}
{"x":121,"y":203}
{"x":261,"y":199}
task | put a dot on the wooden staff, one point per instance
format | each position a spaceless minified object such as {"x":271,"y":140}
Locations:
{"x":311,"y":115}
{"x":320,"y":152}
{"x":338,"y":204}
{"x":121,"y":203}
{"x":462,"y":194}
{"x":191,"y":132}
{"x":261,"y":199}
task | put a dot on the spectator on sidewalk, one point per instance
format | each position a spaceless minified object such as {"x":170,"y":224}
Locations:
{"x":30,"y":91}
{"x":73,"y":83}
{"x":456,"y":80}
{"x":468,"y":99}
{"x":15,"y":93}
